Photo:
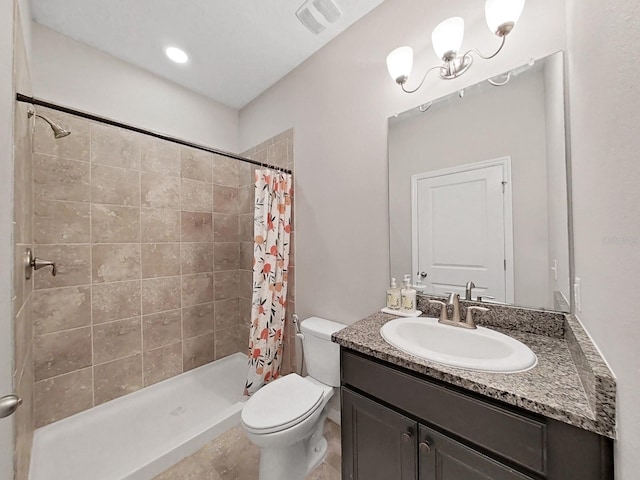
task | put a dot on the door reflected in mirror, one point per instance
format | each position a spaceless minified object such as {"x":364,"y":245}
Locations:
{"x":478,"y":190}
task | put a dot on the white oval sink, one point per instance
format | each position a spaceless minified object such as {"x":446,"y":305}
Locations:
{"x":481,"y":349}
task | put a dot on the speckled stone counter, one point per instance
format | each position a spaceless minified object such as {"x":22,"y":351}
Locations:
{"x":571,"y":382}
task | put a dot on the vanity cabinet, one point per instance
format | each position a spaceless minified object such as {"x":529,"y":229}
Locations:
{"x":400,"y":425}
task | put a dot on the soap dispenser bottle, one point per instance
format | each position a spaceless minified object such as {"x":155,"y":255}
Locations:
{"x":393,"y":296}
{"x":408,"y":296}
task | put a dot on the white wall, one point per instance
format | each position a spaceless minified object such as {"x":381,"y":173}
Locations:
{"x":6,"y":230}
{"x":604,"y":67}
{"x":73,"y":74}
{"x":338,"y":101}
{"x":488,"y":123}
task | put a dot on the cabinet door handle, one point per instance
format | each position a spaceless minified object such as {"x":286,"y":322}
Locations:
{"x":406,"y":437}
{"x":425,"y":448}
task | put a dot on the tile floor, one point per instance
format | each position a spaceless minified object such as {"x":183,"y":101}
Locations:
{"x":232,"y":457}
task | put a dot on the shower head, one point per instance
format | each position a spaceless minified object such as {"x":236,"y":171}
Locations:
{"x":58,"y":131}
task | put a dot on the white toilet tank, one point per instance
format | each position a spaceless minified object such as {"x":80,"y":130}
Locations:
{"x":321,"y":355}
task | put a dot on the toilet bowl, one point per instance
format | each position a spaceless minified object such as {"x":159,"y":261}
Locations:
{"x":286,"y":417}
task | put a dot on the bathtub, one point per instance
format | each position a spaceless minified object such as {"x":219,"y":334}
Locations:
{"x":140,"y":435}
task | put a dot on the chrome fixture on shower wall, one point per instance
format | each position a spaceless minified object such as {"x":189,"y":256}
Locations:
{"x":501,"y":16}
{"x":58,"y":131}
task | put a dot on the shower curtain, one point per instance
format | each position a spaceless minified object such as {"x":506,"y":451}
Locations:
{"x":272,"y":228}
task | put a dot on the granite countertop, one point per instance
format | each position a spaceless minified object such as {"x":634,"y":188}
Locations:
{"x":570,"y":383}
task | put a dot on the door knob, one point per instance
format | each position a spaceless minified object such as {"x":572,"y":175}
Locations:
{"x":423,"y":274}
{"x":406,"y":438}
{"x":9,"y":404}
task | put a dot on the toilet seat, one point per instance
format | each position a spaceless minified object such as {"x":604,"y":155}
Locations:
{"x":281,"y":404}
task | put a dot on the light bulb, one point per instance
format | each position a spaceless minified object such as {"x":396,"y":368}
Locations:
{"x":176,"y":54}
{"x":447,"y":37}
{"x":400,"y":63}
{"x":502,"y":15}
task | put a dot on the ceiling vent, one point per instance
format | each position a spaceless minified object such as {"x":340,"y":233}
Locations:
{"x":316,"y":15}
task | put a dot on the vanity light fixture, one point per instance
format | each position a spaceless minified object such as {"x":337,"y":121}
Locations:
{"x":501,"y":16}
{"x":177,"y":55}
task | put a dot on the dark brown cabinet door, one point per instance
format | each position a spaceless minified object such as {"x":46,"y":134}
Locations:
{"x":377,"y":443}
{"x":442,"y":458}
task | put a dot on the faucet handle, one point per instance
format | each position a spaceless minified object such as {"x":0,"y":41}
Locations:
{"x":470,"y":323}
{"x":485,"y":297}
{"x":443,"y":310}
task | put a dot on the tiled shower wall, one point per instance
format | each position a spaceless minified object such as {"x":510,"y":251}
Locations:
{"x":22,"y":288}
{"x":277,"y":151}
{"x":146,"y":235}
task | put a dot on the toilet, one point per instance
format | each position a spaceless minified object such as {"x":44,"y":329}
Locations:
{"x":285,"y":418}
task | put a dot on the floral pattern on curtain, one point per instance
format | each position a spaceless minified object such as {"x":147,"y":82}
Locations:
{"x":272,"y":228}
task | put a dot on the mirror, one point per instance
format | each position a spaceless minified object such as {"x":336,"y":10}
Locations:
{"x":478,"y":190}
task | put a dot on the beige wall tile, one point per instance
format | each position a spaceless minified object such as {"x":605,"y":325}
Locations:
{"x":118,"y":339}
{"x":19,"y":283}
{"x":227,"y":313}
{"x":161,"y":329}
{"x":159,"y":225}
{"x":227,"y":342}
{"x":52,"y":399}
{"x":245,"y":174}
{"x":60,"y":179}
{"x":160,"y":191}
{"x":160,"y":259}
{"x":196,"y":164}
{"x":162,"y":363}
{"x":115,"y":301}
{"x":72,"y":263}
{"x":61,"y":222}
{"x":23,"y":177}
{"x":197,"y":227}
{"x":277,"y":154}
{"x":291,"y":284}
{"x":246,"y":199}
{"x":24,"y":421}
{"x":225,"y":228}
{"x":225,"y":171}
{"x":114,"y":146}
{"x":117,"y":378}
{"x":292,"y":249}
{"x":245,"y":283}
{"x":23,"y":335}
{"x":245,"y":227}
{"x":61,"y":352}
{"x":225,"y":200}
{"x":243,"y":339}
{"x":197,"y":257}
{"x":197,"y":289}
{"x":115,"y":186}
{"x":160,"y":294}
{"x":226,"y":256}
{"x":74,"y":146}
{"x":61,"y":309}
{"x":159,"y":156}
{"x":115,"y":263}
{"x":197,"y":320}
{"x":246,"y":255}
{"x":114,"y":224}
{"x":226,"y":285}
{"x":196,"y":196}
{"x":197,"y":351}
{"x":245,"y":311}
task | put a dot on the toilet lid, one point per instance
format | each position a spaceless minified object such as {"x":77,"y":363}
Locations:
{"x":282,"y":403}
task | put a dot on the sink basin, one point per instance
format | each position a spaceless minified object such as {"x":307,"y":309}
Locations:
{"x":481,"y":350}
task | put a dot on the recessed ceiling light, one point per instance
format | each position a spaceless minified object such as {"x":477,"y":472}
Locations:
{"x":177,"y":55}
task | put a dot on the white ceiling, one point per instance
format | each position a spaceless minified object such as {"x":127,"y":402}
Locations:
{"x":237,"y":48}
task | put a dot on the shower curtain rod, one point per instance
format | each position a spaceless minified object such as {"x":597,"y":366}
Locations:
{"x":96,"y":118}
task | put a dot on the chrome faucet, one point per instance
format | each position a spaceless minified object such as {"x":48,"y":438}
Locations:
{"x":467,"y":290}
{"x":454,"y":299}
{"x":456,"y":321}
